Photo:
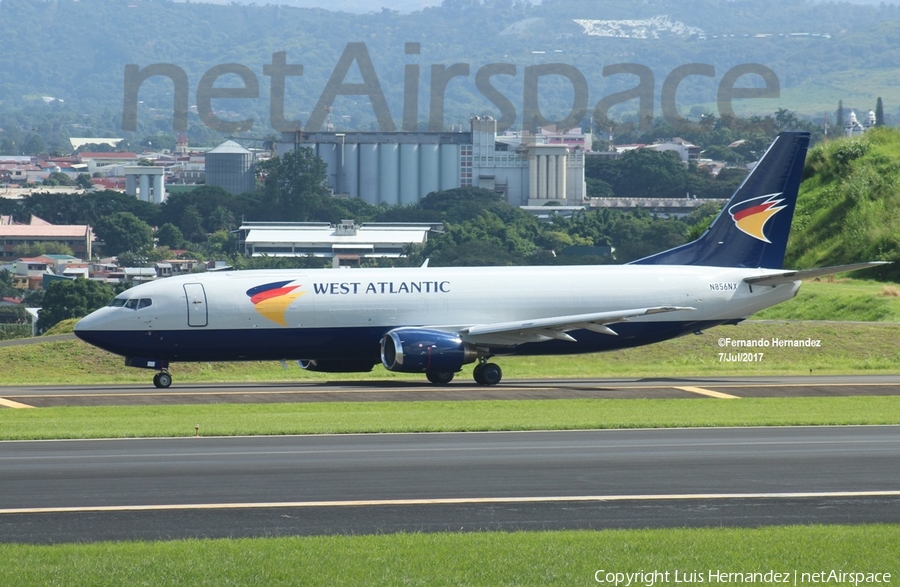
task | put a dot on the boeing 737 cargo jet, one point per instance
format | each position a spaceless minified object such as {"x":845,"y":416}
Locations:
{"x":434,"y":320}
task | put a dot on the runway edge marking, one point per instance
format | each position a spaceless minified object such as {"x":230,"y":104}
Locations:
{"x":707,"y":392}
{"x":447,"y":501}
{"x":11,"y":404}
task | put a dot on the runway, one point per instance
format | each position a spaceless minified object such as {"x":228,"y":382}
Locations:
{"x":60,"y":491}
{"x":458,"y":390}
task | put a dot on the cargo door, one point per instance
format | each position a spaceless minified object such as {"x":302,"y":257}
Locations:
{"x":196,"y":304}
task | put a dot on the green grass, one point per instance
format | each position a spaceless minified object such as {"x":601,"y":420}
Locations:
{"x":456,"y":559}
{"x":439,"y":416}
{"x":845,"y":349}
{"x":840,"y":299}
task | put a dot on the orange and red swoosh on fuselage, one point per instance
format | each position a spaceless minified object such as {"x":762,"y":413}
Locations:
{"x":751,"y":218}
{"x":272,"y":299}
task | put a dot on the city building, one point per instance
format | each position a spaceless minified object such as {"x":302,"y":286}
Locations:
{"x":853,"y":127}
{"x":403,"y":167}
{"x":79,"y":238}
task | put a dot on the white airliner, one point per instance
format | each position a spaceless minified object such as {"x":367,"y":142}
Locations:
{"x":435,"y":320}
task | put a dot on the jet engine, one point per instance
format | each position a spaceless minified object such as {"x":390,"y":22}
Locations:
{"x":336,"y":366}
{"x":419,"y":350}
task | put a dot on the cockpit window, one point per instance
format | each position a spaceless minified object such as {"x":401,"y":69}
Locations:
{"x":131,"y":304}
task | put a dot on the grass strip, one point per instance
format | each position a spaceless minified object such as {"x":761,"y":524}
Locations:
{"x":439,"y":416}
{"x":496,"y":559}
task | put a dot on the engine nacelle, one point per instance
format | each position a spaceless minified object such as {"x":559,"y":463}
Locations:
{"x":336,"y":366}
{"x":419,"y":350}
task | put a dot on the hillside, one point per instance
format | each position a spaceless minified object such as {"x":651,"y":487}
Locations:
{"x":75,"y":51}
{"x":849,"y":204}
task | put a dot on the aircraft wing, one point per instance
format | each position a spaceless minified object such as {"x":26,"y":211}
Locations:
{"x":791,"y":276}
{"x":541,"y":329}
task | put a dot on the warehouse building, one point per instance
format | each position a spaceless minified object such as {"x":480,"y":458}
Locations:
{"x":346,"y":243}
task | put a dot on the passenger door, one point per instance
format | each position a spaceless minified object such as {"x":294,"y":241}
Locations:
{"x":196,"y":304}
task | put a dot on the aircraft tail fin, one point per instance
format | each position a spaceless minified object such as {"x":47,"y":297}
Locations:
{"x":752,"y":229}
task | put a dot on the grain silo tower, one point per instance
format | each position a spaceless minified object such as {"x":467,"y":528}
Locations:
{"x":231,"y":167}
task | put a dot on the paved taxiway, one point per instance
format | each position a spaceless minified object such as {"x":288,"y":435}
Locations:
{"x":54,"y":491}
{"x":460,"y":389}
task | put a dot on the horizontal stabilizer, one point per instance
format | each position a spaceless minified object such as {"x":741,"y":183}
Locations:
{"x":541,"y":329}
{"x":792,"y":276}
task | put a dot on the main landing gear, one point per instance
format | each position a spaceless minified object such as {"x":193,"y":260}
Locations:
{"x":162,"y":379}
{"x":440,"y":377}
{"x":487,"y":373}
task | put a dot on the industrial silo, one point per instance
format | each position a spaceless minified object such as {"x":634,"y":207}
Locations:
{"x":231,"y":167}
{"x":368,"y":173}
{"x":409,"y":173}
{"x":430,"y":177}
{"x":389,"y":173}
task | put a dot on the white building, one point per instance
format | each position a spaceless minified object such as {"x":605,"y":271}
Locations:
{"x":147,"y":183}
{"x":346,"y":243}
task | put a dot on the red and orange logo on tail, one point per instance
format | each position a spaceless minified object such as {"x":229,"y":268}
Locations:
{"x":272,"y":299}
{"x":751,"y":216}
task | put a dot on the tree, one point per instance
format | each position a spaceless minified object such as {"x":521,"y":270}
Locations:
{"x":84,"y":181}
{"x":33,"y":144}
{"x":72,"y":299}
{"x":59,"y":178}
{"x":42,"y":248}
{"x":294,"y":188}
{"x":6,"y":287}
{"x":169,"y":235}
{"x":879,"y":113}
{"x":192,"y":225}
{"x":839,"y":119}
{"x":123,"y":232}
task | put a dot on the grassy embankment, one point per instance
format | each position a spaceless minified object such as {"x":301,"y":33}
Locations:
{"x":848,"y":209}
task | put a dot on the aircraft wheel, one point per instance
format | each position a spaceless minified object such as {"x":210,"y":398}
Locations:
{"x":162,"y":380}
{"x":491,"y":374}
{"x":440,"y":377}
{"x":478,"y":374}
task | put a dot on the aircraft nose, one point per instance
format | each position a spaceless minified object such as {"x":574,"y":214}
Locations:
{"x":87,"y":326}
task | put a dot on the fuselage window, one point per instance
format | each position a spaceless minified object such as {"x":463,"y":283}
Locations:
{"x":144,"y":302}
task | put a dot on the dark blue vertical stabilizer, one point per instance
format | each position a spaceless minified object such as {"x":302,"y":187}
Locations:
{"x":752,"y":229}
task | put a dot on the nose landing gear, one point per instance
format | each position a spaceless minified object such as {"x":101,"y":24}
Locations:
{"x":162,"y":379}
